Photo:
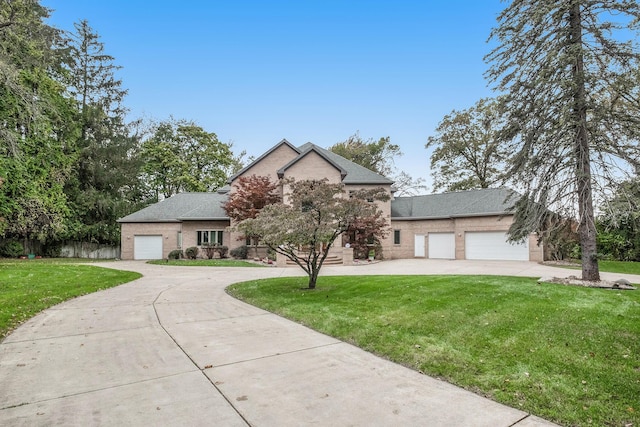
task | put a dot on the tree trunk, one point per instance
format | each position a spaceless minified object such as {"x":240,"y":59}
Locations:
{"x":313,"y":278}
{"x":587,"y":227}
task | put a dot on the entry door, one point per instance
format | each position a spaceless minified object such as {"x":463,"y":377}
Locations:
{"x":419,"y":245}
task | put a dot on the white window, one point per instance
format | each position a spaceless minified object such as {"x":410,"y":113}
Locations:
{"x":209,"y":237}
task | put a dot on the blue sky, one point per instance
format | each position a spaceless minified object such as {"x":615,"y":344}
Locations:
{"x":255,"y":72}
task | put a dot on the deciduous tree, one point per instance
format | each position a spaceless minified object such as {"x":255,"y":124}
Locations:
{"x":182,"y":156}
{"x":378,"y":156}
{"x":569,"y":70}
{"x":467,"y":152}
{"x":305,"y":227}
{"x":249,"y":196}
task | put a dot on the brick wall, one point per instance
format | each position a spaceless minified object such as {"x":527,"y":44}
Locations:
{"x":168,"y":231}
{"x":458,"y":226}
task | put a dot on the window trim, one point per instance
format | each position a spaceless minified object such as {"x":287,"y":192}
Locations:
{"x":207,"y":237}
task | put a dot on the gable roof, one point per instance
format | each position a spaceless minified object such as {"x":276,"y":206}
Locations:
{"x":481,"y":202}
{"x":355,"y":174}
{"x":313,"y":149}
{"x":265,"y":154}
{"x":182,"y":207}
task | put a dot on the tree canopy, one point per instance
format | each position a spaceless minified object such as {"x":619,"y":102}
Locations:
{"x":467,"y":152}
{"x":182,"y":156}
{"x":569,"y":73}
{"x":379,"y":156}
{"x":305,"y":227}
{"x":250,"y":195}
{"x":70,"y":161}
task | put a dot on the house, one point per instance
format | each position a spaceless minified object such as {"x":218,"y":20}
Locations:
{"x":458,"y":225}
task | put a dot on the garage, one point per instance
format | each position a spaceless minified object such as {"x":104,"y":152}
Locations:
{"x":493,"y":245}
{"x":442,"y":246}
{"x":147,"y":247}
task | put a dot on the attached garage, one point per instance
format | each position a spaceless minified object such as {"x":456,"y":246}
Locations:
{"x":493,"y":245}
{"x":147,"y":247}
{"x":442,"y":246}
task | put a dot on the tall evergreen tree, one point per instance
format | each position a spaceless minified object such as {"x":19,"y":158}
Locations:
{"x":35,"y":124}
{"x":569,"y":69}
{"x":107,"y":164}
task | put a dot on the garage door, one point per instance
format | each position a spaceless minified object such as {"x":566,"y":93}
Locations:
{"x":442,"y":246}
{"x":493,"y":245}
{"x":147,"y":247}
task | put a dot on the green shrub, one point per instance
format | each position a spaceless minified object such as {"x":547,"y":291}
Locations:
{"x":192,"y":252}
{"x":240,"y":252}
{"x":52,"y":250}
{"x":175,"y":254}
{"x":223,"y":251}
{"x":11,"y":249}
{"x":209,"y":250}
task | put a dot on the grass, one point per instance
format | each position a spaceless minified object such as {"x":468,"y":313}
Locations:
{"x":30,"y":286}
{"x":567,"y":354}
{"x":623,"y":267}
{"x":206,"y":263}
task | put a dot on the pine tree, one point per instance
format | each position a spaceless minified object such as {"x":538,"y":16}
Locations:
{"x":569,"y":69}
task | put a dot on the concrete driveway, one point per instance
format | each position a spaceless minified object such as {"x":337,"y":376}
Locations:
{"x":172,"y":348}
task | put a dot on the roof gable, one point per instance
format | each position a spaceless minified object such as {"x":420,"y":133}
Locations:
{"x":355,"y":173}
{"x":312,"y":149}
{"x":284,"y":142}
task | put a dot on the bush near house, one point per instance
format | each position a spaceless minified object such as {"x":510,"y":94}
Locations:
{"x":175,"y":254}
{"x":192,"y":252}
{"x":240,"y":252}
{"x":211,"y":250}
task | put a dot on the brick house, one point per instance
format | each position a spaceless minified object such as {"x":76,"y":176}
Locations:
{"x":458,"y":225}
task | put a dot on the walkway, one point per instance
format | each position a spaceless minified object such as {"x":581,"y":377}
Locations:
{"x":172,"y":348}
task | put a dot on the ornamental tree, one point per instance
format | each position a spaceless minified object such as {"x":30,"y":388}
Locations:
{"x":250,"y":195}
{"x":315,"y":214}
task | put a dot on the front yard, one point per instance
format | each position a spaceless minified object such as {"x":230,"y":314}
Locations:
{"x":567,"y":354}
{"x":29,"y":286}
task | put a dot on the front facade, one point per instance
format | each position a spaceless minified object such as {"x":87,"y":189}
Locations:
{"x":460,"y":225}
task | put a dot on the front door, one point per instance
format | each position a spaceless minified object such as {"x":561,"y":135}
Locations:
{"x":419,"y":246}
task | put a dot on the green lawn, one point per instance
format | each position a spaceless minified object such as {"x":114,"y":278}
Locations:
{"x":624,"y":267}
{"x":29,"y":286}
{"x":567,"y":354}
{"x":620,"y":267}
{"x":206,"y":263}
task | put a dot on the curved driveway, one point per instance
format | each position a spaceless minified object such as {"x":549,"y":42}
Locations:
{"x":172,"y":348}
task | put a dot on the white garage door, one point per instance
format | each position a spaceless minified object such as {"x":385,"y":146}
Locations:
{"x":442,"y":246}
{"x":147,"y":247}
{"x":493,"y":245}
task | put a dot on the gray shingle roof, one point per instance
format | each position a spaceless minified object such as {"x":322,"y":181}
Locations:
{"x":182,"y":207}
{"x":490,"y":201}
{"x":356,"y":174}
